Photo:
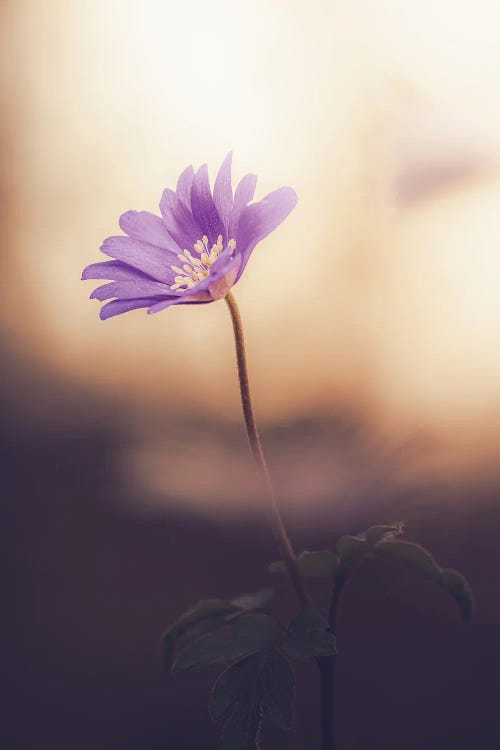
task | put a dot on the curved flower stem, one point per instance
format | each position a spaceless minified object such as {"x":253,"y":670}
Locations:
{"x":326,"y":666}
{"x":278,"y":526}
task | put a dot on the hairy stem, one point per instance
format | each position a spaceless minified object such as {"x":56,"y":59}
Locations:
{"x":279,"y":530}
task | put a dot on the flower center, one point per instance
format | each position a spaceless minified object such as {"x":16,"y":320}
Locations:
{"x":197,"y":267}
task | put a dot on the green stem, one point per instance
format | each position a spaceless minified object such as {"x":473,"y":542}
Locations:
{"x":327,"y":668}
{"x":279,"y":530}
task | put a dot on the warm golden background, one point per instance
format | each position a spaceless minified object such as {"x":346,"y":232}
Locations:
{"x":378,"y":298}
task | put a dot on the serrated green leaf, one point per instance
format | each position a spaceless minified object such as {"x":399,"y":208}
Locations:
{"x":412,"y":555}
{"x":261,"y":686}
{"x":383,"y":532}
{"x":246,"y":635}
{"x":277,"y":688}
{"x":459,"y":588}
{"x":242,"y":729}
{"x":351,"y":550}
{"x":315,"y":564}
{"x":236,"y":683}
{"x":309,"y":635}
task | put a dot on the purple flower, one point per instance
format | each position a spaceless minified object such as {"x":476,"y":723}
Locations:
{"x":195,"y":252}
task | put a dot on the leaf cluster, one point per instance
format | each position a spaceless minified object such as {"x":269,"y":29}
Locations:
{"x":381,"y":541}
{"x":259,"y":684}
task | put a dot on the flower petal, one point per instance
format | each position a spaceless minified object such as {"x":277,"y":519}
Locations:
{"x":221,"y":278}
{"x":179,"y":220}
{"x":186,"y":299}
{"x":243,"y":195}
{"x":114,"y":270}
{"x":223,"y":192}
{"x":224,"y":277}
{"x":119,"y":306}
{"x":150,"y":259}
{"x":184,"y":184}
{"x":146,"y":227}
{"x":260,"y":219}
{"x":131,"y":290}
{"x":204,"y":209}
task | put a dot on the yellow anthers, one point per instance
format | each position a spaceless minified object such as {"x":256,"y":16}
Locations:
{"x":196,"y":269}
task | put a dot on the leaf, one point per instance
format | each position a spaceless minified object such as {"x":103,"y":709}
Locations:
{"x":208,"y":615}
{"x":316,"y":564}
{"x":259,"y":601}
{"x":278,"y":690}
{"x":261,"y":686}
{"x":459,"y":588}
{"x":383,"y":532}
{"x":413,"y":555}
{"x":244,"y":636}
{"x":309,"y":635}
{"x":351,"y":550}
{"x":421,"y":560}
{"x":205,"y":610}
{"x":242,"y":729}
{"x":235,"y":684}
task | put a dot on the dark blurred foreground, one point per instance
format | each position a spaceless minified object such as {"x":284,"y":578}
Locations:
{"x":89,"y":587}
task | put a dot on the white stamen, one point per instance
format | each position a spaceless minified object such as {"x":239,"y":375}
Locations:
{"x":197,"y":269}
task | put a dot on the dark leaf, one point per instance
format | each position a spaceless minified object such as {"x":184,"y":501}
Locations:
{"x":246,"y":635}
{"x":242,"y":729}
{"x":209,"y":615}
{"x":317,"y":564}
{"x":421,"y":560}
{"x":207,"y":610}
{"x":413,"y":555}
{"x":460,"y":589}
{"x":309,"y":635}
{"x":351,"y":550}
{"x":376,"y":534}
{"x":278,"y":690}
{"x":259,"y":686}
{"x":237,"y":683}
{"x":260,"y":601}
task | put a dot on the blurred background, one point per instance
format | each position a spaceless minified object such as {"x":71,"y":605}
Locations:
{"x":372,"y":318}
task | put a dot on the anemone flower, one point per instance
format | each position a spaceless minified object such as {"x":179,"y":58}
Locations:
{"x":195,"y":252}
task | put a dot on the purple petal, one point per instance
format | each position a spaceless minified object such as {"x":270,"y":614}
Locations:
{"x":204,"y":209}
{"x":260,"y":219}
{"x":185,"y":299}
{"x":179,"y":220}
{"x":243,"y":195}
{"x":150,"y":259}
{"x":184,"y":184}
{"x":146,"y":227}
{"x":224,"y":277}
{"x":119,"y":306}
{"x":104,"y":292}
{"x":223,"y":192}
{"x":114,"y":270}
{"x":131,"y":290}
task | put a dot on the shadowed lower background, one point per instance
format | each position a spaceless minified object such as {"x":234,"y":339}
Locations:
{"x":372,"y":319}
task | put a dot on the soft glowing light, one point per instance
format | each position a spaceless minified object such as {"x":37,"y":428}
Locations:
{"x":111,"y":100}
